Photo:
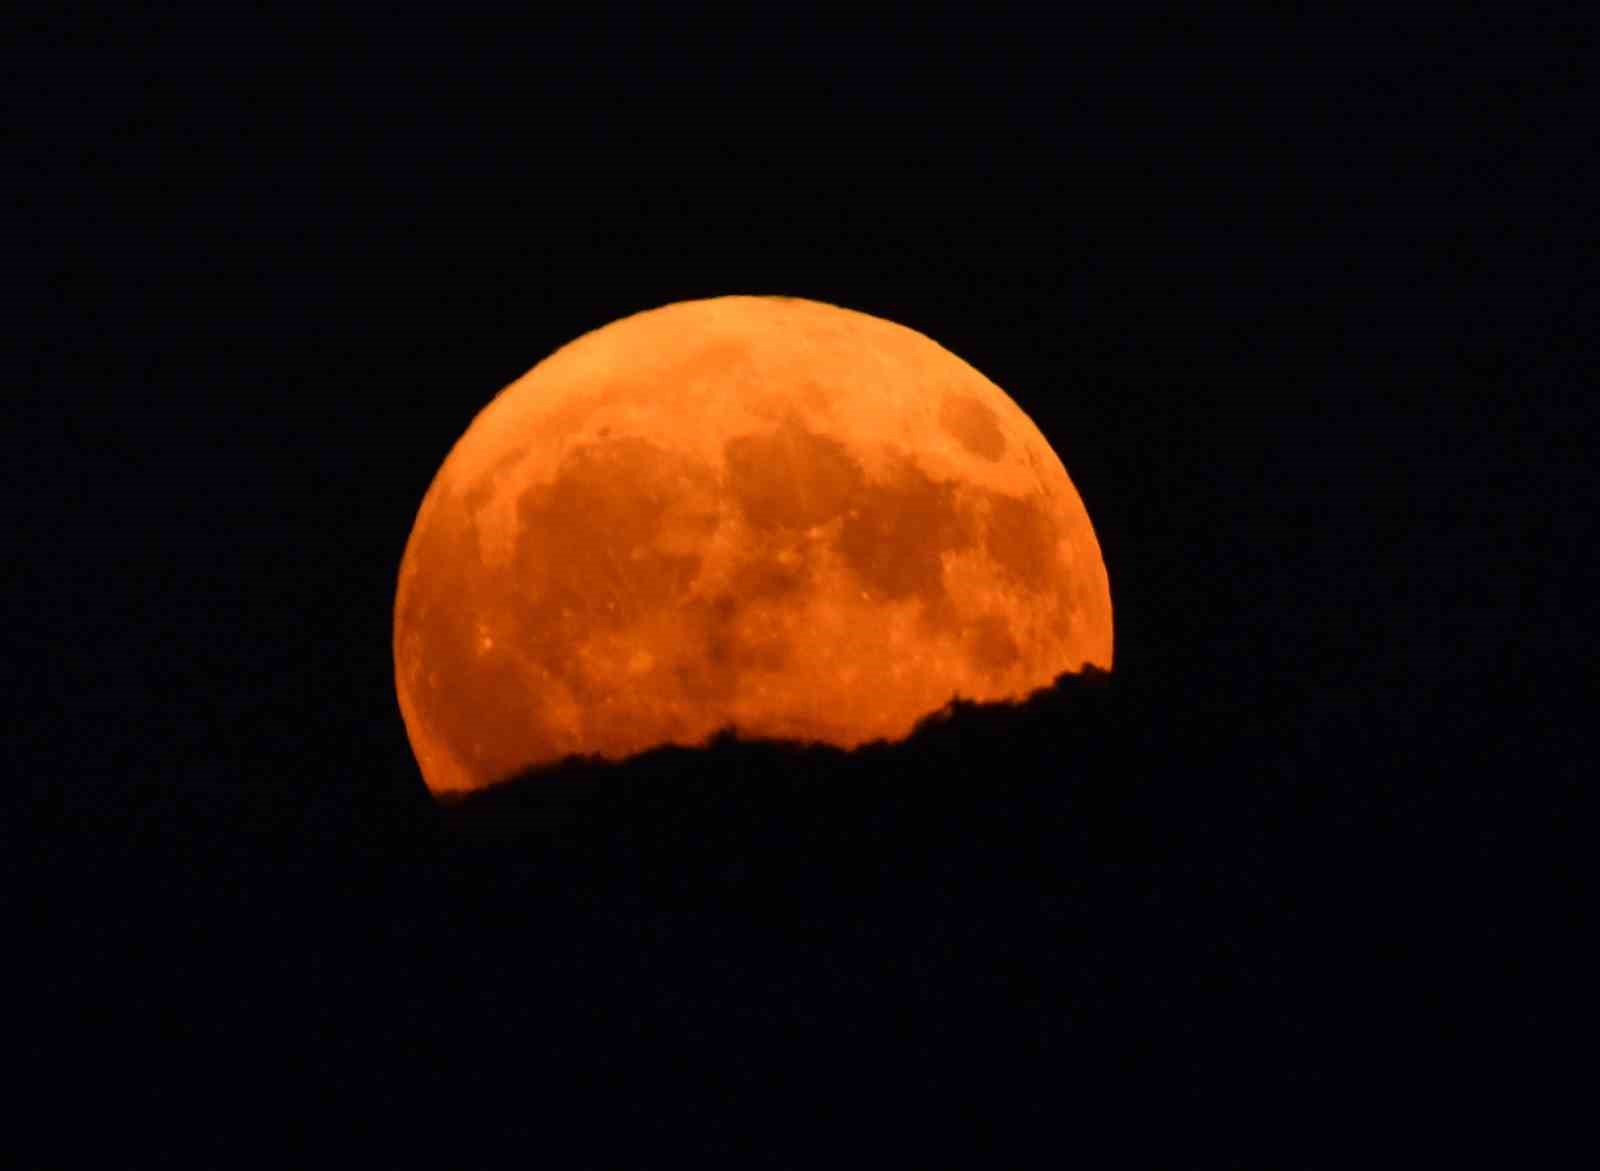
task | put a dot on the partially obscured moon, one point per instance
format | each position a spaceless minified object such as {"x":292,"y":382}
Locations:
{"x":764,"y":513}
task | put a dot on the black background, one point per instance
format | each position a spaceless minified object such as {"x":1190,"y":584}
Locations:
{"x":1301,"y":304}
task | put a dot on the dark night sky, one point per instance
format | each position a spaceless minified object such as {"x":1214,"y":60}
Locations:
{"x":1299,"y":304}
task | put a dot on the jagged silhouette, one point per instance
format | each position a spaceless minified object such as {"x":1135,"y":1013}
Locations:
{"x":1051,"y":770}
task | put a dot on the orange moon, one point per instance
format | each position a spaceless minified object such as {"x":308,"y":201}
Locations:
{"x":764,"y":513}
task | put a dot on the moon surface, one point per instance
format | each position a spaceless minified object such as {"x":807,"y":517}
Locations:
{"x":764,"y":513}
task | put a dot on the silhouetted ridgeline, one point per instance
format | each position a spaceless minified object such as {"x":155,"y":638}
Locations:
{"x":1121,"y":766}
{"x":1054,"y":769}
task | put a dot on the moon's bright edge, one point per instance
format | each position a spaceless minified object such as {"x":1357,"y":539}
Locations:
{"x":769,"y":514}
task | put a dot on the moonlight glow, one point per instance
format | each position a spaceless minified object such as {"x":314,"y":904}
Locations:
{"x":767,"y":513}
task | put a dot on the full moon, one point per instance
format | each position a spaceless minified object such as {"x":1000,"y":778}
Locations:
{"x":768,"y":514}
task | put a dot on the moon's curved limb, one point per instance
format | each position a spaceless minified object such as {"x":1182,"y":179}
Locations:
{"x":779,"y":515}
